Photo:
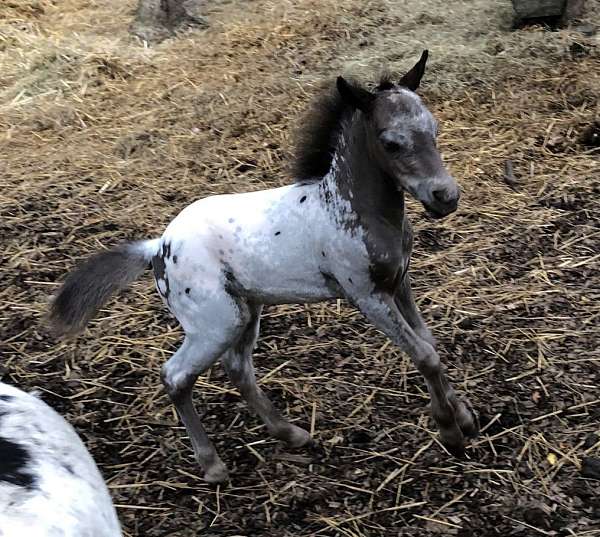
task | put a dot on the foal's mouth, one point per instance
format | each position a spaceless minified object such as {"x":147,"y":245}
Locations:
{"x":438,"y":215}
{"x":435,"y":215}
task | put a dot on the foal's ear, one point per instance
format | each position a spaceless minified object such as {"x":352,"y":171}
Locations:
{"x":354,"y":95}
{"x":412,"y":79}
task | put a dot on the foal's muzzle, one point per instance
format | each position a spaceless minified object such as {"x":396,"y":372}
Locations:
{"x":442,"y":203}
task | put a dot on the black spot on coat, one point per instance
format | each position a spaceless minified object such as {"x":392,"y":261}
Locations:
{"x":302,"y":199}
{"x":160,"y":273}
{"x":331,"y":282}
{"x":277,"y":233}
{"x":14,"y":460}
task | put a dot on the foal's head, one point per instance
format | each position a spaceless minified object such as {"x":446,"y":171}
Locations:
{"x":401,"y":138}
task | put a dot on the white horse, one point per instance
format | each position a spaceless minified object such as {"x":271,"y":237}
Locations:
{"x":340,"y":231}
{"x":49,"y":484}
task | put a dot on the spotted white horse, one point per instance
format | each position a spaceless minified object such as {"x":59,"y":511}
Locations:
{"x":49,"y":484}
{"x":339,"y":231}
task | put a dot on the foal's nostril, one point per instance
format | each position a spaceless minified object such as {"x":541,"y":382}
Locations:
{"x":440,"y":196}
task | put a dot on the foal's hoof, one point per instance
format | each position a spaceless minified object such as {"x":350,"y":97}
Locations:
{"x":299,"y":438}
{"x":294,"y":436}
{"x":217,"y":473}
{"x":467,"y":421}
{"x":456,"y":450}
{"x":470,"y":428}
{"x":453,"y":441}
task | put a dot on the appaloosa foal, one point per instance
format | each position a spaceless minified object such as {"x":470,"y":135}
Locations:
{"x":339,"y":231}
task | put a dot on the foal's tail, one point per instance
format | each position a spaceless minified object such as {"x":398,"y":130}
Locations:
{"x":92,"y":283}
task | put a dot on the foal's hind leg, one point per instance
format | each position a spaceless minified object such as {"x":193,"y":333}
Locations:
{"x":210,"y":329}
{"x":237,"y":361}
{"x":179,"y":375}
{"x":408,"y":309}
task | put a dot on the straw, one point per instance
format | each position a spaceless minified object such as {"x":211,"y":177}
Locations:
{"x":104,"y":140}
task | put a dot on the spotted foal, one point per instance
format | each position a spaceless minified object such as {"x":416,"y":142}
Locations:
{"x":339,"y":231}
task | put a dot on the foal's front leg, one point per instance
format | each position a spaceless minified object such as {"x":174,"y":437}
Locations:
{"x":452,"y":417}
{"x":408,"y":309}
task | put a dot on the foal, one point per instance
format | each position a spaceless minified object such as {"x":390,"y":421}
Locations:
{"x":339,"y":231}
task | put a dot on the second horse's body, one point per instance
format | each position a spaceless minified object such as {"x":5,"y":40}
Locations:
{"x":340,"y":231}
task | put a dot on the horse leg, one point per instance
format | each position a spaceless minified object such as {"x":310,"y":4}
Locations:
{"x":382,"y":311}
{"x":408,"y":309}
{"x":210,"y":330}
{"x":406,"y":304}
{"x":237,"y":361}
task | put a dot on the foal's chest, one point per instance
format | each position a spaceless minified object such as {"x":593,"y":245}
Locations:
{"x":389,"y":250}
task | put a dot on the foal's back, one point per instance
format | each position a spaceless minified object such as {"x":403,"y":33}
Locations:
{"x":49,"y":483}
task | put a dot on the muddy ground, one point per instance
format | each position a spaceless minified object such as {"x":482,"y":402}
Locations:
{"x":103,"y":139}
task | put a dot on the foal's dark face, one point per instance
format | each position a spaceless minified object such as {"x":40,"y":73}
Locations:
{"x":402,"y":138}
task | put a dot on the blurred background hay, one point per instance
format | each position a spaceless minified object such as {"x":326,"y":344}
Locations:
{"x":104,"y":139}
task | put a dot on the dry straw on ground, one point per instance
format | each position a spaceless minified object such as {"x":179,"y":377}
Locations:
{"x":103,"y":139}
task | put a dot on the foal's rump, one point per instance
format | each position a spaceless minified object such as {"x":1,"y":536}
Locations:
{"x":92,"y":283}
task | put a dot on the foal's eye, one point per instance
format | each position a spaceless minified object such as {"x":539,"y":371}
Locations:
{"x":392,"y":147}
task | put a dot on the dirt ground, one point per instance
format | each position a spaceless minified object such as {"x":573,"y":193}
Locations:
{"x":103,"y":139}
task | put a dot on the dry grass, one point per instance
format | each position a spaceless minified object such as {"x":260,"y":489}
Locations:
{"x":102,"y":139}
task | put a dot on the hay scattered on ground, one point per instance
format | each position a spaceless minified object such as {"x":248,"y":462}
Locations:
{"x":103,"y":140}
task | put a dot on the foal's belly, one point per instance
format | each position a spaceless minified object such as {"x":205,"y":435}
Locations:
{"x":283,"y":282}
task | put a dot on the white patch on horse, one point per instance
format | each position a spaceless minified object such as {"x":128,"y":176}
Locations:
{"x":266,"y":239}
{"x":162,"y":286}
{"x":67,"y":495}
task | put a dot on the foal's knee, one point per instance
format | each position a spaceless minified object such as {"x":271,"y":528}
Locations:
{"x":425,"y":334}
{"x":175,"y":381}
{"x":428,"y":362}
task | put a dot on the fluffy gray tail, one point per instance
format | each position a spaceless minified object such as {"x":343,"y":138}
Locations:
{"x":92,"y":283}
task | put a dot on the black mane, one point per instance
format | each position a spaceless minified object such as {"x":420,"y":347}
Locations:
{"x":386,"y":81}
{"x":317,"y":138}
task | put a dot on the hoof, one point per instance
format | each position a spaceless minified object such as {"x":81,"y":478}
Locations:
{"x":216,"y":474}
{"x":470,"y":429}
{"x":299,"y":438}
{"x":293,"y":436}
{"x":456,"y":450}
{"x":453,"y":441}
{"x":468,"y":422}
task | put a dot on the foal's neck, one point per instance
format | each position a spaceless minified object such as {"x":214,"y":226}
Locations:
{"x":359,"y":179}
